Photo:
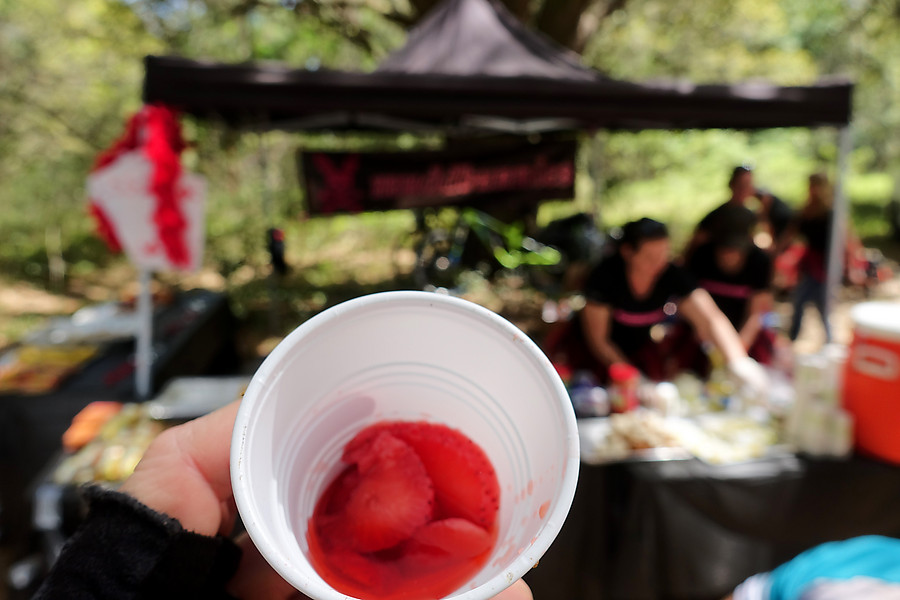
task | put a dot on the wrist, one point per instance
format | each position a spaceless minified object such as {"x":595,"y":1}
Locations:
{"x":177,"y":502}
{"x":126,"y":549}
{"x":169,"y":482}
{"x":739,"y":361}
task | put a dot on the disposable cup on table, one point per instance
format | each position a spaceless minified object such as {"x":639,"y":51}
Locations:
{"x":404,"y":356}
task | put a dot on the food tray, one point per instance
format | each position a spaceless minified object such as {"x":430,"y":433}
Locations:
{"x":715,"y":438}
{"x":93,"y":324}
{"x":189,"y":397}
{"x":594,"y":432}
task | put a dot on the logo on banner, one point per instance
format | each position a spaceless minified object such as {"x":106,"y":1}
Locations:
{"x":357,"y":182}
{"x":339,"y":191}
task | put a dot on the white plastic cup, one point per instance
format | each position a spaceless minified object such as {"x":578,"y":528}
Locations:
{"x":404,"y":356}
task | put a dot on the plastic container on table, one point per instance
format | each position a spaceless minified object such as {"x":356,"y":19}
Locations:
{"x":623,"y":390}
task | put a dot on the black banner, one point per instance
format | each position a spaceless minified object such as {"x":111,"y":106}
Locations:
{"x":475,"y":174}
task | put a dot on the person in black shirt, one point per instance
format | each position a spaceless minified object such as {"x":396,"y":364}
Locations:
{"x":742,"y":188}
{"x":776,"y":213}
{"x":813,"y":224}
{"x":737,"y":274}
{"x":633,"y":292}
{"x":639,"y":289}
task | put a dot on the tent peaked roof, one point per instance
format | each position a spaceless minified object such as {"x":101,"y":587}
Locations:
{"x":471,"y":38}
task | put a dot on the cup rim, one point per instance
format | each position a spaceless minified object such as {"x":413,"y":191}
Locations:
{"x":554,"y":519}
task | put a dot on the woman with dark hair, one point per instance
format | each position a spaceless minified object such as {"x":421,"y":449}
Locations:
{"x":632,"y":295}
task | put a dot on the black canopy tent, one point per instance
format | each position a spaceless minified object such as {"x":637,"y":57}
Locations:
{"x":278,"y":97}
{"x":470,"y":66}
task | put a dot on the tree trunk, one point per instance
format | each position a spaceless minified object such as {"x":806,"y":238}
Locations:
{"x":421,"y":7}
{"x":590,"y":22}
{"x":559,"y":19}
{"x":569,"y":22}
{"x":520,"y":8}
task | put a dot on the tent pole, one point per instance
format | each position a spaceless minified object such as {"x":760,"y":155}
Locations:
{"x":144,"y":345}
{"x":839,"y":223}
{"x":271,"y":282}
{"x":594,"y":146}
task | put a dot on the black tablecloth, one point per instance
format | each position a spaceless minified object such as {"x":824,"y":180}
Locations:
{"x":689,"y":530}
{"x":194,"y":335}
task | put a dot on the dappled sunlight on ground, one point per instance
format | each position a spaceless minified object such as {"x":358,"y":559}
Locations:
{"x":18,"y":298}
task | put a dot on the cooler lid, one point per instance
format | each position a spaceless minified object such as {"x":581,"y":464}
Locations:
{"x":877,"y":319}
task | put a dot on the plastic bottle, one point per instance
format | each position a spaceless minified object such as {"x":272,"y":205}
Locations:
{"x":623,"y":392}
{"x":588,"y":398}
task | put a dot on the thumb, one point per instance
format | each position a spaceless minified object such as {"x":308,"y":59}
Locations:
{"x":517,"y":591}
{"x":256,"y":579}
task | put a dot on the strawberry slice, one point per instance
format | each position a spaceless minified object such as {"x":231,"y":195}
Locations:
{"x":393,"y":497}
{"x":338,"y":493}
{"x":350,"y":572}
{"x":359,"y":569}
{"x":329,"y":513}
{"x":357,"y":448}
{"x":457,"y":537}
{"x":465,"y":483}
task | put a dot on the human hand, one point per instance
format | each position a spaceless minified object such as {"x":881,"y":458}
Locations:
{"x":752,"y":377}
{"x":185,"y":474}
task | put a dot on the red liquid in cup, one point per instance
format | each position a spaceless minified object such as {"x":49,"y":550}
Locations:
{"x":412,"y":516}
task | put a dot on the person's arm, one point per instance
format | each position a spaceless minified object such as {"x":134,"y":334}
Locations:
{"x":596,"y":319}
{"x":786,"y":239}
{"x":760,"y":303}
{"x":712,"y":325}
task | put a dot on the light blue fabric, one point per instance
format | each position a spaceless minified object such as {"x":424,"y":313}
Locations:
{"x":755,"y":587}
{"x":858,"y":588}
{"x":868,"y":556}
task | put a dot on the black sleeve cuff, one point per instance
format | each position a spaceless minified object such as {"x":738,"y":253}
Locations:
{"x":126,"y":550}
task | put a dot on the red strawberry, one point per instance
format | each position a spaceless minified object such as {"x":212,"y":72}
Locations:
{"x":393,"y":498}
{"x":460,"y":538}
{"x":359,"y":569}
{"x":338,"y":493}
{"x":358,"y":447}
{"x":345,"y":569}
{"x":465,"y":483}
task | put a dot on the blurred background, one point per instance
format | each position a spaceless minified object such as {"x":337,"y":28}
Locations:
{"x":72,"y":75}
